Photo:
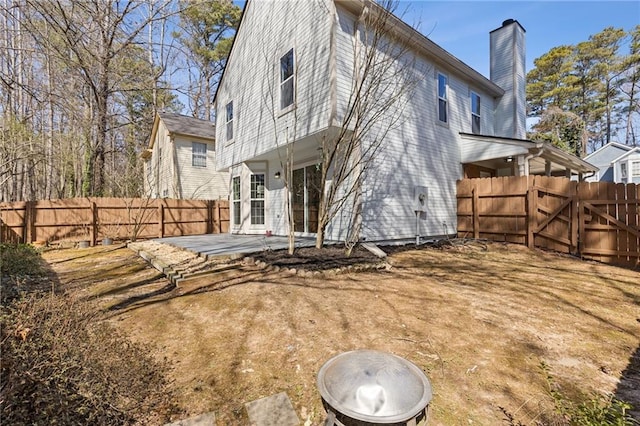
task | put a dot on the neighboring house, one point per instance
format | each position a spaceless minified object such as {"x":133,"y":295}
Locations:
{"x":617,"y":163}
{"x":288,"y":80}
{"x":180,"y":161}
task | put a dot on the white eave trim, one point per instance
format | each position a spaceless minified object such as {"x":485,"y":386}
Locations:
{"x":429,"y":48}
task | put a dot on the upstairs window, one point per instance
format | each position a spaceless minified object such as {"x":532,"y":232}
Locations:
{"x":635,"y":169}
{"x":198,"y":154}
{"x":623,"y":170}
{"x":229,"y":120}
{"x":235,"y":196}
{"x":286,"y":80}
{"x":442,"y":98}
{"x":475,"y":113}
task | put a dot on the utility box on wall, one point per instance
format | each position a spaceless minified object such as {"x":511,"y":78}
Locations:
{"x":420,"y":198}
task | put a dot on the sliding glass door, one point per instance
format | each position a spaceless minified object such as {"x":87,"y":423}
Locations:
{"x":306,"y":198}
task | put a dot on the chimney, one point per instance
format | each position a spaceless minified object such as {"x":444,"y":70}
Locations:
{"x":507,"y":52}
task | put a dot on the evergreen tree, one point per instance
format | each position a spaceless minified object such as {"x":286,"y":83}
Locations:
{"x":206,"y":32}
{"x":592,"y":80}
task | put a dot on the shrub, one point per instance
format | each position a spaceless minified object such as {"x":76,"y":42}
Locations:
{"x":588,"y":409}
{"x":21,"y":270}
{"x":19,"y":260}
{"x":61,"y":366}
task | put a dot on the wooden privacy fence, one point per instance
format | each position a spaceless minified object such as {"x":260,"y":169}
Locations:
{"x":595,"y":220}
{"x":119,"y":218}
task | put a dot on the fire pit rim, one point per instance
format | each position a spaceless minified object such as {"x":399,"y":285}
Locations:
{"x":414,"y":411}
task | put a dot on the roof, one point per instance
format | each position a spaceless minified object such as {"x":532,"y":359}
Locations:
{"x":186,"y":125}
{"x":427,"y":47}
{"x":627,"y":154}
{"x":607,"y":146}
{"x":545,"y":150}
{"x":418,"y":40}
{"x":178,"y":124}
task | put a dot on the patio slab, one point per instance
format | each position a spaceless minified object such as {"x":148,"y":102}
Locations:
{"x":232,"y":245}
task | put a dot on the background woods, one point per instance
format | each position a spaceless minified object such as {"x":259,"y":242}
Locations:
{"x":81,"y":81}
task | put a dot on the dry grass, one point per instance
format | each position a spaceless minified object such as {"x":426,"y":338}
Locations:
{"x":479,"y":320}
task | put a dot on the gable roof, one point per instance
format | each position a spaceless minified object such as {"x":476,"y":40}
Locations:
{"x":419,"y":41}
{"x":631,"y":151}
{"x":608,"y":146}
{"x":188,"y":126}
{"x":178,"y":124}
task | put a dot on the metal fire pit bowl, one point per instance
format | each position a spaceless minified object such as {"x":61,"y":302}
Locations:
{"x":373,"y":387}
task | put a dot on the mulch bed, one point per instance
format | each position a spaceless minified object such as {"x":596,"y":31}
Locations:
{"x":313,"y":259}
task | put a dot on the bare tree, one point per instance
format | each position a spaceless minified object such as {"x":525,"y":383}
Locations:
{"x":284,"y":140}
{"x":384,"y":76}
{"x":91,"y":37}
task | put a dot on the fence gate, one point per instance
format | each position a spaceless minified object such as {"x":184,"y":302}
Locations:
{"x":594,"y":220}
{"x":553,"y":211}
{"x":608,"y":218}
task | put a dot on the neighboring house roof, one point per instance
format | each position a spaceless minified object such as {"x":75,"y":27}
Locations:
{"x":418,"y":40}
{"x":631,"y":151}
{"x":607,"y":147}
{"x":178,"y":124}
{"x":543,"y":150}
{"x":189,"y":126}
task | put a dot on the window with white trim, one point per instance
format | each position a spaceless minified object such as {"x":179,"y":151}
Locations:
{"x":235,"y":196}
{"x":475,"y":113}
{"x":257,"y":199}
{"x":229,"y":120}
{"x":287,"y":80}
{"x":635,"y":169}
{"x":623,"y":170}
{"x":443,"y":83}
{"x":198,"y":154}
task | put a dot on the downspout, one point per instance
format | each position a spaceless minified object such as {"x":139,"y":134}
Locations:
{"x":333,"y":69}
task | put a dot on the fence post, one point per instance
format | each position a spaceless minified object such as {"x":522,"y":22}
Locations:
{"x":94,"y":223}
{"x":532,"y":210}
{"x":575,"y":204}
{"x":475,"y":208}
{"x":581,"y":218}
{"x":161,"y":219}
{"x":210,"y":204}
{"x":29,"y":222}
{"x":219,"y":216}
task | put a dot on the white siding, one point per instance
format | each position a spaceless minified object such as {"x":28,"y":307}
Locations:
{"x":204,"y":183}
{"x":419,"y":152}
{"x":268,"y":30}
{"x":162,"y":165}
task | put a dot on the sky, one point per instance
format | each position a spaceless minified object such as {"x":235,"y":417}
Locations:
{"x":462,"y":27}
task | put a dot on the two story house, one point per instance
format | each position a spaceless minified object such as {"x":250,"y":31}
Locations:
{"x":180,"y":160}
{"x":287,"y":87}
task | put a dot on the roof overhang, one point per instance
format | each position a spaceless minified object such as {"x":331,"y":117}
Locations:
{"x":495,"y":150}
{"x":626,"y":154}
{"x":423,"y":45}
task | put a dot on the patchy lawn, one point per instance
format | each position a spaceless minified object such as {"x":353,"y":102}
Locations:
{"x":480,"y":320}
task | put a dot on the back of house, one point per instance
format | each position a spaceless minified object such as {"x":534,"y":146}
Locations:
{"x":293,"y":83}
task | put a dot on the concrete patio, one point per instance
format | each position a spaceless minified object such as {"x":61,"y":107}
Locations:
{"x":233,"y":245}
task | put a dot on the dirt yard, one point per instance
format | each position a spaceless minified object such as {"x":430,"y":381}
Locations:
{"x":481,"y":320}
